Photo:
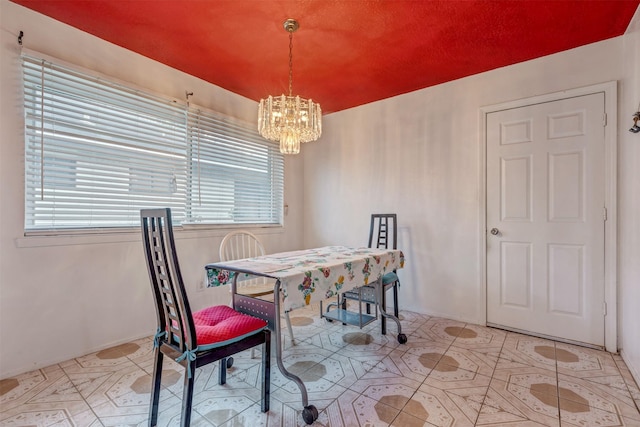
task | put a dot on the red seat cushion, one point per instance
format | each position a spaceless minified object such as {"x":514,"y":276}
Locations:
{"x":221,"y":324}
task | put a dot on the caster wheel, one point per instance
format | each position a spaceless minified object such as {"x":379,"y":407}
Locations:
{"x":329,"y":320}
{"x":310,"y":414}
{"x":229,"y":362}
{"x":402,"y":338}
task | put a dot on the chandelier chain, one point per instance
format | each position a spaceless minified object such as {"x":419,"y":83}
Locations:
{"x":290,"y":63}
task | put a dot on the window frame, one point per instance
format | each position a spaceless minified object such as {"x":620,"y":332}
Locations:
{"x":275,"y":212}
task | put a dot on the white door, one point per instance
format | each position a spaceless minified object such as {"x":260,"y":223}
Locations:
{"x":545,"y":218}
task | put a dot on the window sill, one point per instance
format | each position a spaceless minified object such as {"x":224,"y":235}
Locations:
{"x":123,"y":235}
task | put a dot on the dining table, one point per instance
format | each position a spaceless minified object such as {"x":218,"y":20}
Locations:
{"x":303,"y":277}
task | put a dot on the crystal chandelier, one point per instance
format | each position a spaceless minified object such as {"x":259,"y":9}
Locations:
{"x":290,"y":119}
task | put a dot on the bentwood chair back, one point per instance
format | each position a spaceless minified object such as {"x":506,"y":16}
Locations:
{"x":192,"y":339}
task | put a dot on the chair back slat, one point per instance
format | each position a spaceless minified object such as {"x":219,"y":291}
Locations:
{"x":172,"y":306}
{"x":383,"y":231}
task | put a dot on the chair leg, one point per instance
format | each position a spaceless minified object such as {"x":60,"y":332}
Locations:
{"x":266,"y":372}
{"x":396,"y":310}
{"x":288,"y":320}
{"x":222,"y":371}
{"x":155,"y":387}
{"x":187,"y":395}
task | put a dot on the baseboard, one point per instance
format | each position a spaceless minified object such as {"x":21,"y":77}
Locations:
{"x":50,"y":362}
{"x":634,"y":372}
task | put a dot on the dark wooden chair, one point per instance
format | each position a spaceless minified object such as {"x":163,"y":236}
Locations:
{"x":193,"y":339}
{"x":383,"y":233}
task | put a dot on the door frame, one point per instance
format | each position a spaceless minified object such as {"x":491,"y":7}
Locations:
{"x":611,"y":169}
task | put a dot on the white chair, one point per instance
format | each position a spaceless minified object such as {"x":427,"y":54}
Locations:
{"x":244,"y":244}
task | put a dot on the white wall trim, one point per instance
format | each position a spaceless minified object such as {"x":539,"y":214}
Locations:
{"x":611,"y":172}
{"x":635,"y":374}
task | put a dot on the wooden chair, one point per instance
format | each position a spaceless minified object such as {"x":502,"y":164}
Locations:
{"x":193,"y":339}
{"x":383,"y":233}
{"x":242,"y":244}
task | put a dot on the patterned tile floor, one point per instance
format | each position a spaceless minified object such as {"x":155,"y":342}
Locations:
{"x":448,"y":374}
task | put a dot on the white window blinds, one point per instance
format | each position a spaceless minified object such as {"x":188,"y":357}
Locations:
{"x":96,"y":152}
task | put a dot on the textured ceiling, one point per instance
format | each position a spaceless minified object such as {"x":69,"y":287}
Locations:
{"x":348,"y":52}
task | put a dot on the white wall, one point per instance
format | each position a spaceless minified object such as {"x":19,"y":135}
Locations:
{"x":418,"y":155}
{"x":629,"y":203}
{"x":415,"y":154}
{"x":62,"y":297}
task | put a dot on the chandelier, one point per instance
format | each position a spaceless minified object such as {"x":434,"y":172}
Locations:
{"x":290,"y":119}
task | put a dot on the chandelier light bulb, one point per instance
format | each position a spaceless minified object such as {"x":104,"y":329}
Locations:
{"x":289,"y":142}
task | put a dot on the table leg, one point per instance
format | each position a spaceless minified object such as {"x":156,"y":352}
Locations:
{"x":309,"y":413}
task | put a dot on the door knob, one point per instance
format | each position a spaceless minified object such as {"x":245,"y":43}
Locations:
{"x":495,"y":231}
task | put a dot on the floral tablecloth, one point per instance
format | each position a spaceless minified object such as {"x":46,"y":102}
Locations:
{"x":311,"y":274}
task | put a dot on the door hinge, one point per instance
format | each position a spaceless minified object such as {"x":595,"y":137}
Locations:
{"x":604,"y":119}
{"x":604,"y":213}
{"x":604,"y":308}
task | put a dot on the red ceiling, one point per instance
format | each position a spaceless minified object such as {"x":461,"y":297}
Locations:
{"x":346,"y":52}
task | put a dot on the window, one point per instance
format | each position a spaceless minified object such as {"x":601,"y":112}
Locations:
{"x":96,"y":152}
